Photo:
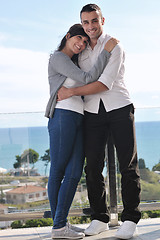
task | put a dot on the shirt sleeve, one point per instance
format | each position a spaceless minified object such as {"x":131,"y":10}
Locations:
{"x":112,"y":69}
{"x":63,"y":65}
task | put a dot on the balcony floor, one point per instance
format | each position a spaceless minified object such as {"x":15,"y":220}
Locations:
{"x":148,"y":229}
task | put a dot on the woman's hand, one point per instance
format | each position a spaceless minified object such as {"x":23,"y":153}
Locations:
{"x":111,"y":44}
{"x":63,"y":93}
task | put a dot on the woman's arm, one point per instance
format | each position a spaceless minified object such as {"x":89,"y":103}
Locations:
{"x":92,"y":88}
{"x":61,"y":64}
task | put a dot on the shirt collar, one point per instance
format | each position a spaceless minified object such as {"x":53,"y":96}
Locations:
{"x":100,"y":40}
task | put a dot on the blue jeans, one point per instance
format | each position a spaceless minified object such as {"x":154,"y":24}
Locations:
{"x":67,"y":158}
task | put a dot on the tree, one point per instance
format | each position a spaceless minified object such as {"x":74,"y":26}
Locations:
{"x":46,"y":159}
{"x":141,"y":163}
{"x":2,"y":196}
{"x":18,"y":162}
{"x":156,"y":167}
{"x":30,"y":156}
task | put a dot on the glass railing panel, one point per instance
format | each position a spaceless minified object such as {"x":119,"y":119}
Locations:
{"x":20,"y":132}
{"x":23,"y":131}
{"x":147,"y":124}
{"x":148,"y":140}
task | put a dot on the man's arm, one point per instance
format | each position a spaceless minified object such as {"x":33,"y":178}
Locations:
{"x":105,"y":82}
{"x":88,"y":89}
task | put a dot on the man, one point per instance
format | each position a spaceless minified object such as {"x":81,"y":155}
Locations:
{"x":108,"y":108}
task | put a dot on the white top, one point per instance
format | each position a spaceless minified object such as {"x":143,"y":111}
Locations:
{"x":113,"y":77}
{"x":59,"y":68}
{"x":74,"y":103}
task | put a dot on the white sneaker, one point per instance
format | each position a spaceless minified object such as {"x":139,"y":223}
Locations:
{"x":126,"y":230}
{"x":96,"y":227}
{"x":66,"y":233}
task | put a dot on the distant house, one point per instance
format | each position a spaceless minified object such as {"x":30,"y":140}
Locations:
{"x":27,"y":193}
{"x":24,"y":172}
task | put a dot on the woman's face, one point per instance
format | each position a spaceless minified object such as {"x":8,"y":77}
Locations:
{"x":75,"y":44}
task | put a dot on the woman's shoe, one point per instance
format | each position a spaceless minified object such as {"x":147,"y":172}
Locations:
{"x":66,"y":233}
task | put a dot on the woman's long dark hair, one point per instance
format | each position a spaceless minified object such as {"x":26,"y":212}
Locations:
{"x":74,"y":30}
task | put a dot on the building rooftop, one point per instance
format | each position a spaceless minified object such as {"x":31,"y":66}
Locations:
{"x":148,"y":229}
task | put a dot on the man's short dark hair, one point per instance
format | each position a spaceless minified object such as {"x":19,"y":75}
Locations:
{"x":90,"y":8}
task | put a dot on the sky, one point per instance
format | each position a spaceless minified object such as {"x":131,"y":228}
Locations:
{"x":31,"y":30}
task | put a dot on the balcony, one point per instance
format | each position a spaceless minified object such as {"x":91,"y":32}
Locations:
{"x":23,"y":131}
{"x":147,"y":229}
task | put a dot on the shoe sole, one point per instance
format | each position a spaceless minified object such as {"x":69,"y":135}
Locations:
{"x":120,"y":237}
{"x":67,"y":237}
{"x":135,"y":234}
{"x":60,"y":237}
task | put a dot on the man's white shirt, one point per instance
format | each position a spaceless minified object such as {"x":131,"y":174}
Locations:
{"x":113,"y":77}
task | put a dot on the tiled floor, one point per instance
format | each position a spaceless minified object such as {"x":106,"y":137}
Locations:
{"x":148,"y":229}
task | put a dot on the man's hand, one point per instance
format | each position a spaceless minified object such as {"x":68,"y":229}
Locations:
{"x":63,"y":93}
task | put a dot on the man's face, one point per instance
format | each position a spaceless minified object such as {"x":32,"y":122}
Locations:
{"x":92,"y":23}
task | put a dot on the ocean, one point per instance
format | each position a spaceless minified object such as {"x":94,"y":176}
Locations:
{"x":13,"y":141}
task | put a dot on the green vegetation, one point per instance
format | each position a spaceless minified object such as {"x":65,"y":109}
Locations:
{"x":79,"y":220}
{"x":2,"y":196}
{"x":73,"y":220}
{"x":150,"y":185}
{"x":151,"y":214}
{"x":32,"y":223}
{"x":147,"y":214}
{"x":156,"y":167}
{"x":28,"y":156}
{"x":18,"y":162}
{"x":16,"y":224}
{"x":46,"y":159}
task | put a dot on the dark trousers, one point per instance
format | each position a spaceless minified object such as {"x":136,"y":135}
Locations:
{"x":120,"y":123}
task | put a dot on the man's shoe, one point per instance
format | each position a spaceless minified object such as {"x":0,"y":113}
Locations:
{"x":74,"y":228}
{"x":96,"y":227}
{"x":66,"y":233}
{"x":126,"y":230}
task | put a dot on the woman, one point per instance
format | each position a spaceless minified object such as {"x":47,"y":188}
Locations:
{"x":66,"y":126}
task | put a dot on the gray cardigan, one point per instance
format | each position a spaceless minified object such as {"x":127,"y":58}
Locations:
{"x":61,"y":66}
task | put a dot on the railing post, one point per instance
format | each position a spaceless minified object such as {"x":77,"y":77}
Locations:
{"x":111,"y":168}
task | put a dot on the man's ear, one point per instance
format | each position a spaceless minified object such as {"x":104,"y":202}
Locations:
{"x":103,"y":20}
{"x":68,"y":35}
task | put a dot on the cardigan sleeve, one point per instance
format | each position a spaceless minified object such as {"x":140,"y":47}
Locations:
{"x":63,"y":65}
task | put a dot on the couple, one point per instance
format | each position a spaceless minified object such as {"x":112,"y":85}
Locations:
{"x":80,"y":128}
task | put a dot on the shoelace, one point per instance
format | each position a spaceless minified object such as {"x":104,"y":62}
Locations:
{"x":68,"y":229}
